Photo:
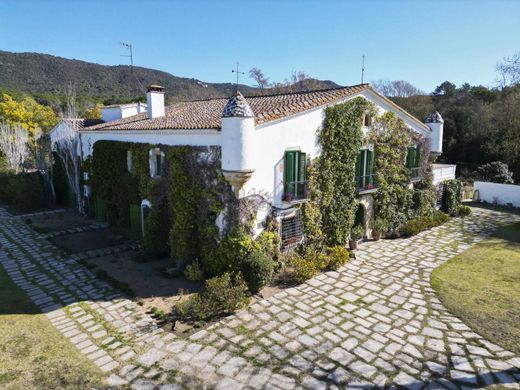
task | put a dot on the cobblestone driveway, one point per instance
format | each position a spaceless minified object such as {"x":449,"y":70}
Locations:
{"x":376,"y":322}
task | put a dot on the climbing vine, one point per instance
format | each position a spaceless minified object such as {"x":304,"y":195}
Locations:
{"x":186,"y":199}
{"x":393,"y":200}
{"x":333,"y":191}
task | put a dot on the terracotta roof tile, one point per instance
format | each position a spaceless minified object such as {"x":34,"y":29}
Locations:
{"x":206,"y":114}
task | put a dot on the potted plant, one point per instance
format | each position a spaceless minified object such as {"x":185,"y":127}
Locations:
{"x":380,"y":226}
{"x":356,"y":233}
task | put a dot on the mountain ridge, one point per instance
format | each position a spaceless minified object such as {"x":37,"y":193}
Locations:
{"x":47,"y":75}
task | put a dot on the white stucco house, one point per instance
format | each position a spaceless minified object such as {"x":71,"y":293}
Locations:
{"x":265,"y":140}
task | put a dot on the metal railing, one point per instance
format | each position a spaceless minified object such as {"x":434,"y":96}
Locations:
{"x":366,"y":182}
{"x":295,"y":190}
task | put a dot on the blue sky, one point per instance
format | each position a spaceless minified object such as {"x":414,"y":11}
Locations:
{"x":424,"y":42}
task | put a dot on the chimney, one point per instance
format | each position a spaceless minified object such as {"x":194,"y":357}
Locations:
{"x":436,"y":124}
{"x":155,"y":101}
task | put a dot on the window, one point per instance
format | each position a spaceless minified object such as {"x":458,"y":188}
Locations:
{"x":295,"y":172}
{"x":292,"y":231}
{"x":129,"y":161}
{"x":367,"y":120}
{"x":413,"y":161}
{"x":365,"y":177}
{"x":156,"y":162}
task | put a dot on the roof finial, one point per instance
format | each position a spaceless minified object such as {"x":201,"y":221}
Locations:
{"x":238,"y":73}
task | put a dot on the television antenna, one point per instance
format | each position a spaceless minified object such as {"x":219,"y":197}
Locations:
{"x":237,"y":72}
{"x":128,"y":46}
{"x":362,"y":68}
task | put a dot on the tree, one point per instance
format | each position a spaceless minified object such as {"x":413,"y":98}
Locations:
{"x":259,"y":77}
{"x":396,"y":88}
{"x":495,"y":172}
{"x":509,"y":70}
{"x":28,"y":113}
{"x":94,"y":112}
{"x":67,"y":146}
{"x":14,"y":146}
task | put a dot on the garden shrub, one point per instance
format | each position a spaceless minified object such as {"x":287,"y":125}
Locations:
{"x":25,"y":191}
{"x":464,"y":211}
{"x":337,"y":257}
{"x":380,"y":225}
{"x":416,"y":225}
{"x":193,"y":272}
{"x":222,"y":296}
{"x":357,"y":232}
{"x":257,"y":269}
{"x":451,"y":196}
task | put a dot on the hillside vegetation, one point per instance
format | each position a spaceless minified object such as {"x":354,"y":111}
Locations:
{"x":48,"y":77}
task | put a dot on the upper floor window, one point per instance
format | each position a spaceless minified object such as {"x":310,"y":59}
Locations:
{"x":156,"y":162}
{"x":367,"y":120}
{"x":413,"y":161}
{"x":295,"y":175}
{"x":365,"y":177}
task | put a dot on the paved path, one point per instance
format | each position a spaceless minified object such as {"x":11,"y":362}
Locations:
{"x":376,"y":322}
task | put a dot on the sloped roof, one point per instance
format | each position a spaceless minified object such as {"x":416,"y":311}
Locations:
{"x":81,"y":123}
{"x":206,"y":114}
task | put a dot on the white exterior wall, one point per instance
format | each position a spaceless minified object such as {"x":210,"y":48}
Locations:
{"x":501,"y":193}
{"x":165,"y":137}
{"x":295,"y":133}
{"x":124,"y":111}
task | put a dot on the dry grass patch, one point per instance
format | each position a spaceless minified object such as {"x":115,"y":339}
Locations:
{"x":481,"y":287}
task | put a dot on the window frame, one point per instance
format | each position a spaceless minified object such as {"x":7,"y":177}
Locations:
{"x":365,"y":168}
{"x":295,"y":175}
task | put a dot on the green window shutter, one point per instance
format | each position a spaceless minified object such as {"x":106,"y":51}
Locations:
{"x":370,"y":162}
{"x":417,"y":156}
{"x":290,"y":165}
{"x":410,"y":157}
{"x":302,"y":168}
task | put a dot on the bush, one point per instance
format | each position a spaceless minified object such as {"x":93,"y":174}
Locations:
{"x":221,"y":297}
{"x":357,"y":233}
{"x":337,"y":257}
{"x":228,"y":255}
{"x":464,"y":211}
{"x":380,"y":225}
{"x":257,"y":269}
{"x":495,"y":172}
{"x":303,"y":268}
{"x":417,"y":225}
{"x":25,"y":191}
{"x":451,"y":196}
{"x":193,"y":272}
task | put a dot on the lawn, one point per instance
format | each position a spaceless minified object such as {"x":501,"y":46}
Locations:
{"x":34,"y":355}
{"x":481,"y":286}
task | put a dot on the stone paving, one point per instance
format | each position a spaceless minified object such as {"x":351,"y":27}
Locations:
{"x":374,"y":323}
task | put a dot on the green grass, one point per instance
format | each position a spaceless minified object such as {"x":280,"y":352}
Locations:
{"x":481,"y":287}
{"x":33,"y":354}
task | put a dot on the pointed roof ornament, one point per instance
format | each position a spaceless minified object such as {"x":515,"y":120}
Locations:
{"x":434,"y":117}
{"x":237,"y":107}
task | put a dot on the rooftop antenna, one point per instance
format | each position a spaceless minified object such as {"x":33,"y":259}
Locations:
{"x":362,"y":68}
{"x":128,"y":46}
{"x":238,"y":73}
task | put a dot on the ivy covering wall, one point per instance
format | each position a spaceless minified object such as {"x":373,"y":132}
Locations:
{"x":330,"y":214}
{"x":186,"y":199}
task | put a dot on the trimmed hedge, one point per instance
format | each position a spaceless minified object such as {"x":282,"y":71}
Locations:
{"x":25,"y":191}
{"x":417,"y":225}
{"x":451,"y":196}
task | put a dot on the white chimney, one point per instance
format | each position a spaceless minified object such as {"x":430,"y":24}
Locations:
{"x":155,"y":101}
{"x":436,"y":124}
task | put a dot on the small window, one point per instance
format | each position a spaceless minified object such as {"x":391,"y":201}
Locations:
{"x":367,"y":120}
{"x":156,"y":162}
{"x":129,"y":161}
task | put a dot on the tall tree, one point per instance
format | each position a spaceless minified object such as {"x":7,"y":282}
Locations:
{"x":509,"y":70}
{"x":14,"y":146}
{"x":259,"y":77}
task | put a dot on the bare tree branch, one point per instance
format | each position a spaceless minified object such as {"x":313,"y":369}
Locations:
{"x":14,"y":145}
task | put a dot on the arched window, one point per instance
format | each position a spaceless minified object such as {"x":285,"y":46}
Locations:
{"x":146,"y":205}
